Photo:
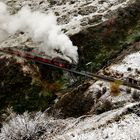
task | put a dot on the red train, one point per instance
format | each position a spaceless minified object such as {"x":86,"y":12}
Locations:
{"x":29,"y":54}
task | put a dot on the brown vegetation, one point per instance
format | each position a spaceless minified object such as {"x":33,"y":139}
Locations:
{"x":114,"y":87}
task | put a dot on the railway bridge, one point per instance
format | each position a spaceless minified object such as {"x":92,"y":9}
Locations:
{"x":66,"y":66}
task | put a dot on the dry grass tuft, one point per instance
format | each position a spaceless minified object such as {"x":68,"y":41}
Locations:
{"x":114,"y":87}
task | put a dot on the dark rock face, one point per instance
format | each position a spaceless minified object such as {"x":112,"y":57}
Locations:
{"x":76,"y":102}
{"x":135,"y":109}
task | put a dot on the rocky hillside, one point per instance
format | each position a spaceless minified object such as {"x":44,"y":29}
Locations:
{"x":107,"y":34}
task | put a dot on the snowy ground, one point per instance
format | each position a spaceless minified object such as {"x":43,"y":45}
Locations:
{"x":119,"y":124}
{"x":104,"y":127}
{"x":130,"y":66}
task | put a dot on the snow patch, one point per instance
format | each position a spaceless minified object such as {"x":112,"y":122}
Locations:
{"x":131,"y":62}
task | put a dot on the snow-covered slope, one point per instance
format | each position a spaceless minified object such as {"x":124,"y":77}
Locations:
{"x":122,"y":123}
{"x":74,"y":15}
{"x":112,"y":125}
{"x":130,"y":66}
{"x":119,"y":124}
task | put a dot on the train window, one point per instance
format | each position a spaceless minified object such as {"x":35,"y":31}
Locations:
{"x":61,"y":65}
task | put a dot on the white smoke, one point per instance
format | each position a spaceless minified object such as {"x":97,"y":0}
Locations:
{"x":41,"y":28}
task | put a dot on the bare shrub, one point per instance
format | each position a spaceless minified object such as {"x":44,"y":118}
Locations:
{"x":25,"y":126}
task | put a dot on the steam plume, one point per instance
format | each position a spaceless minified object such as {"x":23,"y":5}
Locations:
{"x":41,"y":28}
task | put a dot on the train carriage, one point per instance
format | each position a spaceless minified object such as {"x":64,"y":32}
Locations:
{"x":31,"y":54}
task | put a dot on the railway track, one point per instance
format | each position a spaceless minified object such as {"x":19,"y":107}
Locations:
{"x":81,"y":73}
{"x":95,"y":76}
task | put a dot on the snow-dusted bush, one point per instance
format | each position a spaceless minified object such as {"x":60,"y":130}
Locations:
{"x":25,"y":127}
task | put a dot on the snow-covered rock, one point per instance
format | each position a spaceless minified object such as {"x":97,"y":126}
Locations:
{"x":119,"y":124}
{"x":130,"y":66}
{"x":73,"y":15}
{"x":113,"y":125}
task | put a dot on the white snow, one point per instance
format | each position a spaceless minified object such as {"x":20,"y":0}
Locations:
{"x":92,"y":127}
{"x":103,"y":127}
{"x":131,"y":61}
{"x":102,"y":9}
